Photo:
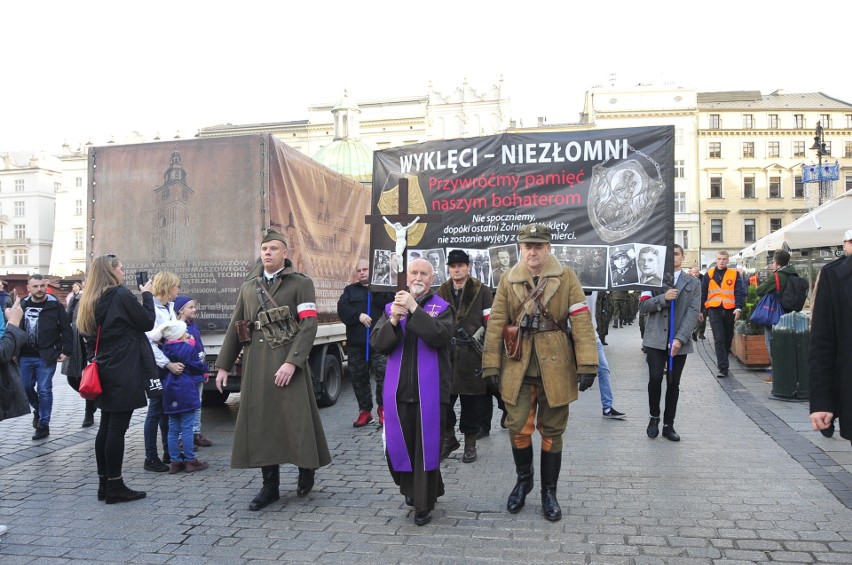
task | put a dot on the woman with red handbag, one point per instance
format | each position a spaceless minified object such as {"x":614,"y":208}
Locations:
{"x":124,"y":360}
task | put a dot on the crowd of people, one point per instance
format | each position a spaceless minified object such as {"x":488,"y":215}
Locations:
{"x":534,"y":344}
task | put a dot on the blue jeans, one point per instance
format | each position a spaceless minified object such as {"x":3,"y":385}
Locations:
{"x":603,"y":376}
{"x":181,"y":424}
{"x":36,"y":375}
{"x":196,"y":426}
{"x":153,"y":420}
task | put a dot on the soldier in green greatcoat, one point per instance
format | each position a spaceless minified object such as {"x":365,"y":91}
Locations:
{"x":278,"y":421}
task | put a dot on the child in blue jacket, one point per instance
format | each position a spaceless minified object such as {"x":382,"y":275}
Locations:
{"x":180,"y":393}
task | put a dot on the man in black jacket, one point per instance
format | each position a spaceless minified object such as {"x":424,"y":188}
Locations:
{"x":49,"y":340}
{"x":359,"y":310}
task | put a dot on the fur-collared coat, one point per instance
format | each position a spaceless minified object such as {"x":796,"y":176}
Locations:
{"x":474,"y":307}
{"x":557,"y":360}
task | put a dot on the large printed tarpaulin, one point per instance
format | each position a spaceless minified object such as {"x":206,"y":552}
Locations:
{"x":606,"y":194}
{"x":199,"y":208}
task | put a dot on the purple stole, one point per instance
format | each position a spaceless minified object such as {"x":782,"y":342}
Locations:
{"x":429,"y":387}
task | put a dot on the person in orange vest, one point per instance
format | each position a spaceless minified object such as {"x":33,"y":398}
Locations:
{"x":723,"y":296}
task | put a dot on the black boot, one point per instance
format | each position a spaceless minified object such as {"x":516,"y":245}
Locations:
{"x":523,"y":465}
{"x":551,"y":463}
{"x":102,"y":481}
{"x":89,"y":418}
{"x":306,"y":481}
{"x":116,"y":492}
{"x":269,"y":493}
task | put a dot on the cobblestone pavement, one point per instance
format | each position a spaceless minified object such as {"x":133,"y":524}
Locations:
{"x":749,"y":482}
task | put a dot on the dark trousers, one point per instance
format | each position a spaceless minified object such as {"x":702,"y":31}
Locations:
{"x":360,"y":371}
{"x":722,"y":325}
{"x":657,"y":360}
{"x":109,"y":443}
{"x":486,"y":413}
{"x":153,"y":420}
{"x":472,"y":407}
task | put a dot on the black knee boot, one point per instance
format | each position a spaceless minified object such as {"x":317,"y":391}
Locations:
{"x":269,"y":493}
{"x":551,"y":463}
{"x":306,"y":481}
{"x":523,"y":465}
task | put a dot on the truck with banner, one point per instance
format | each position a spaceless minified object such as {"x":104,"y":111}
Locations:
{"x":606,"y":194}
{"x":199,"y":208}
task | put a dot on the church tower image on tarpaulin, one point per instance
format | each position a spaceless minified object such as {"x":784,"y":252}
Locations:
{"x":172,"y":214}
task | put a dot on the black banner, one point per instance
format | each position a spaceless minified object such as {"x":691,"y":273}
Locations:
{"x":607,"y":196}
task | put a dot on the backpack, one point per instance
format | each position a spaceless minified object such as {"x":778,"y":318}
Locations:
{"x":794,"y":294}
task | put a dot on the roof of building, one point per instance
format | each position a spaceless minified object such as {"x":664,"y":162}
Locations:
{"x":349,"y":157}
{"x":778,"y":100}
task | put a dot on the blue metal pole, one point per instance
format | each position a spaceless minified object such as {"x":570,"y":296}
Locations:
{"x":369,"y":309}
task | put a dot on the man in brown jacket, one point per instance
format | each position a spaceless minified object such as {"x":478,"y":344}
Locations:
{"x":278,"y":421}
{"x":544,"y":298}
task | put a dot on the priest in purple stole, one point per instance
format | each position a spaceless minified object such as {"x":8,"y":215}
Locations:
{"x":415,"y":333}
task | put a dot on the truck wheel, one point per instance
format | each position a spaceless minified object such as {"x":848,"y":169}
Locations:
{"x":214,"y":397}
{"x":329,"y":388}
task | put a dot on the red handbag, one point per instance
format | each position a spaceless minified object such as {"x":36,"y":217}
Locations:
{"x":90,"y":384}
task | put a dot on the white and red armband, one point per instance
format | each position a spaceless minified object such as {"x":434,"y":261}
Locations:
{"x":577,"y":308}
{"x":306,"y":310}
{"x":486,"y":314}
{"x":646,"y":294}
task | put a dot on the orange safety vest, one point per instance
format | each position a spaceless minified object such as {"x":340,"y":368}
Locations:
{"x":721,"y":296}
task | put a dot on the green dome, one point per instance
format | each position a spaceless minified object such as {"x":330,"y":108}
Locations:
{"x":348,"y":157}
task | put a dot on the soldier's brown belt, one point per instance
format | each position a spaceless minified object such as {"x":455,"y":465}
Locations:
{"x":547,"y":326}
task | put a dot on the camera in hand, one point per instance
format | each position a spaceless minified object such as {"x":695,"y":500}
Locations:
{"x":142,"y":278}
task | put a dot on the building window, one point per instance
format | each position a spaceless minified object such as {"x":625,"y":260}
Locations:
{"x":715,"y":121}
{"x":680,"y":202}
{"x":848,"y":183}
{"x":847,"y":148}
{"x":748,"y":150}
{"x":748,"y":121}
{"x":20,"y":231}
{"x":799,"y":119}
{"x":773,"y":149}
{"x":715,"y":187}
{"x":679,"y":169}
{"x":798,"y":149}
{"x":825,"y":120}
{"x":715,"y":150}
{"x":2,"y":257}
{"x":774,"y":187}
{"x":773,"y":121}
{"x":78,"y":207}
{"x":57,"y":186}
{"x":828,"y":148}
{"x":679,"y":136}
{"x":682,"y":238}
{"x":20,"y":209}
{"x":78,"y":182}
{"x":19,"y":185}
{"x":716,"y":230}
{"x":774,"y":224}
{"x":798,"y":187}
{"x":78,"y":240}
{"x":19,"y":257}
{"x":748,"y":187}
{"x":749,"y":230}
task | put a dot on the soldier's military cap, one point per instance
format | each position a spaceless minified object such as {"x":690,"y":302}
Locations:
{"x":534,"y":233}
{"x":273,"y":235}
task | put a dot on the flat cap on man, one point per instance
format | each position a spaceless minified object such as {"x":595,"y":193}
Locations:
{"x":534,"y":233}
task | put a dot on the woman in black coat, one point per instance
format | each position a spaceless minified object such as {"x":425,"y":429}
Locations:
{"x":830,"y":357}
{"x":124,"y":360}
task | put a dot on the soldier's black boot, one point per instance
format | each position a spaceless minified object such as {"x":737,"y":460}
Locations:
{"x":269,"y":493}
{"x":523,"y":465}
{"x":306,"y":481}
{"x":551,"y":463}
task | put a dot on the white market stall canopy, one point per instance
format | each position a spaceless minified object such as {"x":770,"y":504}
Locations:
{"x":821,"y":227}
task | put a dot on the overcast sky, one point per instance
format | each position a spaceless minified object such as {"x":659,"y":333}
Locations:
{"x":94,"y":69}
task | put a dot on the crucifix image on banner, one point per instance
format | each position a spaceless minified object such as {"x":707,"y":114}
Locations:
{"x":404,"y":228}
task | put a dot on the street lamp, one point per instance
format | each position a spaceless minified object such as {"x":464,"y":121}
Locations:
{"x":821,"y":174}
